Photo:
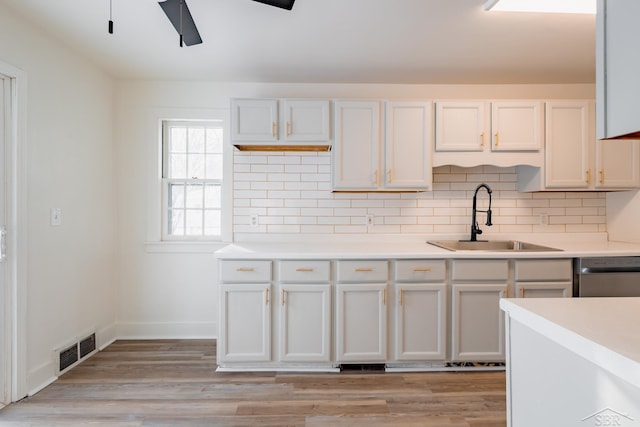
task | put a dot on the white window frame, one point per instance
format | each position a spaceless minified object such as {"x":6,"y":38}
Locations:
{"x":166,"y":182}
{"x":155,"y":205}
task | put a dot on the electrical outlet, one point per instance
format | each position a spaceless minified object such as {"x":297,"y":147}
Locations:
{"x":543,"y":219}
{"x":253,"y":221}
{"x":369,"y":220}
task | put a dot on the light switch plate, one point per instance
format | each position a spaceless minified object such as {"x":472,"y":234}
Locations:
{"x":55,"y":218}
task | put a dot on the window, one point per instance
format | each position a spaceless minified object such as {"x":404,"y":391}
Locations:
{"x":192,"y":173}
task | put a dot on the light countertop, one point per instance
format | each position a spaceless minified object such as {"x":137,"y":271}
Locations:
{"x":413,"y":249}
{"x":605,"y":331}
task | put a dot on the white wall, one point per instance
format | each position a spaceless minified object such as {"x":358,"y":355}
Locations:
{"x":72,"y":275}
{"x":165,"y":293}
{"x":623,"y":212}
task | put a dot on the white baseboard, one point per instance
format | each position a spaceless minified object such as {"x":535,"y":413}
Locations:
{"x":168,"y":330}
{"x":41,"y":377}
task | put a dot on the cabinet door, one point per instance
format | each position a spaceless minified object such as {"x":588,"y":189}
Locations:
{"x":254,"y":120}
{"x":421,"y":321}
{"x":567,"y":144}
{"x":356,"y":154}
{"x":618,"y":164}
{"x":306,"y":120}
{"x":407,"y":145}
{"x":245,"y":319}
{"x":477,"y":324}
{"x":544,"y":289}
{"x":460,"y":126}
{"x":361,"y":325}
{"x":516,"y":125}
{"x":305,"y":323}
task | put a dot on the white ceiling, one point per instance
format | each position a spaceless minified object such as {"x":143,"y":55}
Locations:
{"x":332,"y":41}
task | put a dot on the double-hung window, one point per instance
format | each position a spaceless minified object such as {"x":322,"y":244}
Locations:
{"x":192,"y":180}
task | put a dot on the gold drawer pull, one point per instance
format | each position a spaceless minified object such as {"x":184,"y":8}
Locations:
{"x":364,"y":270}
{"x":522,"y":292}
{"x":419,"y":269}
{"x":601,"y":176}
{"x":588,"y":171}
{"x":497,"y":140}
{"x":245,"y":269}
{"x":266,"y":298}
{"x":482,"y":139}
{"x":305,"y":270}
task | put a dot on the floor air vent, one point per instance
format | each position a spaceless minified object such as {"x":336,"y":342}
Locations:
{"x":87,"y":345}
{"x":68,"y":357}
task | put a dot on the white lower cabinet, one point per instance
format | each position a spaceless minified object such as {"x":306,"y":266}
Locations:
{"x":361,"y":311}
{"x":477,"y":324}
{"x":420,"y":310}
{"x":305,"y":323}
{"x":547,"y":278}
{"x":361,"y":324}
{"x":245,"y":320}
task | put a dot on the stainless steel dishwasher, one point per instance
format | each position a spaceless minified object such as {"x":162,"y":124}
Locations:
{"x":607,"y":277}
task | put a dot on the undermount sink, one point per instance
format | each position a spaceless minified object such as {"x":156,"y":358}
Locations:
{"x":491,"y":246}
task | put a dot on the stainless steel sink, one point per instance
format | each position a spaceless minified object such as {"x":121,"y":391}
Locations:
{"x":491,"y":246}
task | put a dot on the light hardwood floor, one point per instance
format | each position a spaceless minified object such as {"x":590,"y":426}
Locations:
{"x":173,"y":383}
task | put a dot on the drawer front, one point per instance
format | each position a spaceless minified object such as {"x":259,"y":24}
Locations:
{"x":543,"y":269}
{"x":312,"y":271}
{"x":420,"y":271}
{"x":245,"y":271}
{"x":480,"y":270}
{"x":362,"y":271}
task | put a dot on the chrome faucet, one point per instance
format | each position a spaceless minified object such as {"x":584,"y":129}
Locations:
{"x":475,"y":230}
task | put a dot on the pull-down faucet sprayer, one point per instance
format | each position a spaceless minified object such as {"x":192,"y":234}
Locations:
{"x":475,"y":230}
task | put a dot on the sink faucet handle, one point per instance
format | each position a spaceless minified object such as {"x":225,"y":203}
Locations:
{"x":489,"y":218}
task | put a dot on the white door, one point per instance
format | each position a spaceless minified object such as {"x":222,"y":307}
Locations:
{"x":517,"y":125}
{"x":460,"y":126}
{"x":254,"y":120}
{"x":5,"y":342}
{"x":618,"y":164}
{"x":306,"y":120}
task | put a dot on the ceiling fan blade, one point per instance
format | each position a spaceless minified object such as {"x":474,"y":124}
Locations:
{"x":284,"y":4}
{"x":190,"y":34}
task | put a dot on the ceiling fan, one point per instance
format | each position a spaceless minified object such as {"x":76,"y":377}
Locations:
{"x":178,"y":13}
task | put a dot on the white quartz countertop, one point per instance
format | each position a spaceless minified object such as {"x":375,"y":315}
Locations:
{"x":605,"y":331}
{"x":412,"y":249}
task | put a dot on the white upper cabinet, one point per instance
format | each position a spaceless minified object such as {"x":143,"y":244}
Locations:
{"x":501,"y":133}
{"x":461,"y":126}
{"x":617,"y":68}
{"x":356,"y":151}
{"x":254,"y":120}
{"x":407,"y":150}
{"x":287,"y":122}
{"x":575,"y":160}
{"x":364,"y":161}
{"x":306,"y":120}
{"x":517,"y":125}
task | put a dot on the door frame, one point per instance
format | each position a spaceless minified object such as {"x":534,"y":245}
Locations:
{"x":15,"y":342}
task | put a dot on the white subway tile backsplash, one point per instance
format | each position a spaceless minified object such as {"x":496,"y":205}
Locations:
{"x":291,"y":193}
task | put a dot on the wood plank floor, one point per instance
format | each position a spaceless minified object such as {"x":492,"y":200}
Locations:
{"x":173,"y":383}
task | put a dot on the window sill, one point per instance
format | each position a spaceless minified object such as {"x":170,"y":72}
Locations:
{"x":184,"y":247}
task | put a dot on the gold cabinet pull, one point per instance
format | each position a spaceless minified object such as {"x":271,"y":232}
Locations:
{"x":273,"y":129}
{"x":389,"y":175}
{"x":522,"y":292}
{"x":384,"y":296}
{"x":282,"y":296}
{"x":497,"y":139}
{"x":601,"y":176}
{"x":364,"y":269}
{"x":588,"y":172}
{"x":482,"y":140}
{"x":266,"y":296}
{"x":288,"y":128}
{"x":401,"y":296}
{"x":244,"y":270}
{"x":375,"y":177}
{"x":305,"y":270}
{"x":420,"y":269}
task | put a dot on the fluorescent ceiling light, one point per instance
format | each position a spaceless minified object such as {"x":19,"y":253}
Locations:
{"x":554,"y":6}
